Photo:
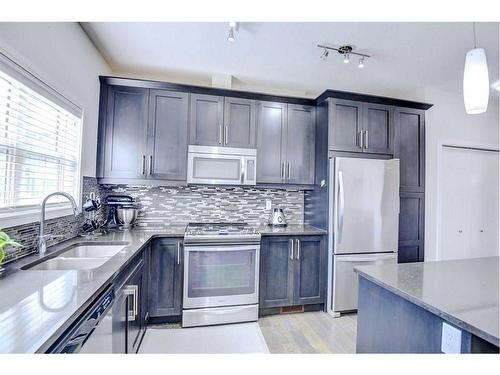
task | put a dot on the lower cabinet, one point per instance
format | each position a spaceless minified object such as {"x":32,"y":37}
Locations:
{"x":128,"y":312}
{"x":292,"y":270}
{"x":165,"y":278}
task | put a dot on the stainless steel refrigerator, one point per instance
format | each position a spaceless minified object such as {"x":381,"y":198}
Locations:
{"x":363,"y":223}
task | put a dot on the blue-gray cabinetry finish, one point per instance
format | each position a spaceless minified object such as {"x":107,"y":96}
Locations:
{"x":165,"y":278}
{"x":167,"y":135}
{"x":124,"y":135}
{"x":378,"y":128}
{"x":206,"y":120}
{"x":240,"y":123}
{"x":292,"y":271}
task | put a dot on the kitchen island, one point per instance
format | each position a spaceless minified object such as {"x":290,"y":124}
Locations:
{"x":405,"y":308}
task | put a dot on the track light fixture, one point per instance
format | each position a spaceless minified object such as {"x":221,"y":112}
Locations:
{"x":346,"y":52}
{"x":232,"y":28}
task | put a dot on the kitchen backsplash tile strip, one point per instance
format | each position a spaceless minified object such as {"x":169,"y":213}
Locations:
{"x":161,"y":205}
{"x":66,"y":227}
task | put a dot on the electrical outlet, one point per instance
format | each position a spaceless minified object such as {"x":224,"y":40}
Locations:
{"x":268,"y":204}
{"x":451,"y":339}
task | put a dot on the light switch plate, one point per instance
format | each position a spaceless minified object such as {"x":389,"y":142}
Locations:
{"x":268,"y":204}
{"x":451,"y":339}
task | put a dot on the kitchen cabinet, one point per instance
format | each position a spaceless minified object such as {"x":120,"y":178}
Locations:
{"x":240,"y":126}
{"x":285,"y":143}
{"x":206,"y":120}
{"x":165,"y":278}
{"x":128,"y":316}
{"x":411,"y":227}
{"x":123,"y":139}
{"x":167,"y":135}
{"x":292,"y":271}
{"x":361,"y":127}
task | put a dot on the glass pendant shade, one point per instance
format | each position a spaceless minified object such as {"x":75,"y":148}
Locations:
{"x":476,"y":82}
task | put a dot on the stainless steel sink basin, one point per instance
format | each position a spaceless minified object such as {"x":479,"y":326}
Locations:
{"x":70,"y":264}
{"x":92,"y":251}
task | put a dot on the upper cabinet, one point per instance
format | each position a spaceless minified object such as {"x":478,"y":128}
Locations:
{"x":285,"y":143}
{"x":361,"y":127}
{"x":222,"y":121}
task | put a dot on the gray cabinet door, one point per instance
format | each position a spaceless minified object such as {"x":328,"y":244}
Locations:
{"x":206,"y":120}
{"x":300,"y":144}
{"x":126,"y":132}
{"x":411,"y":227}
{"x":167,"y":135}
{"x":239,"y":123}
{"x":135,"y":322}
{"x":378,"y":128}
{"x":271,"y":144}
{"x":345,"y":125}
{"x":309,"y":270}
{"x":276,"y":271}
{"x":410,"y":148}
{"x":165,"y":278}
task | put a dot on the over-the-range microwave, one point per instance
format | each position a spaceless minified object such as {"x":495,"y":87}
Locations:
{"x":221,"y":165}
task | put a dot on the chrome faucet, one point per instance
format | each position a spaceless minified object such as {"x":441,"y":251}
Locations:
{"x":42,"y":243}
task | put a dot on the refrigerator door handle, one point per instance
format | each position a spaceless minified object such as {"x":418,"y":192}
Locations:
{"x":341,"y":208}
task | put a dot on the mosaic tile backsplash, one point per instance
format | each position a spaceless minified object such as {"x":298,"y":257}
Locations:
{"x":160,"y":206}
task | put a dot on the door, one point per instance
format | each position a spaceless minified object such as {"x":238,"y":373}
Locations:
{"x":126,"y":132}
{"x":165,"y":283}
{"x":345,"y":280}
{"x":271,"y":142}
{"x":411,"y":227}
{"x":240,"y":129}
{"x":309,"y":270}
{"x":220,"y":275}
{"x":378,"y":128}
{"x":366,"y":205}
{"x":345,"y":125}
{"x":206,"y":120}
{"x":167,"y":135}
{"x":300,"y":144}
{"x":276,"y":271}
{"x":410,"y":150}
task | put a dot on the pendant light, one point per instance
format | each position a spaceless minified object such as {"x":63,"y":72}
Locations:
{"x":476,"y":81}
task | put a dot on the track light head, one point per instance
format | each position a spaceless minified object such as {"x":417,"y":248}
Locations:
{"x":324,"y":55}
{"x":230,"y":36}
{"x":361,"y":63}
{"x":346,"y":58}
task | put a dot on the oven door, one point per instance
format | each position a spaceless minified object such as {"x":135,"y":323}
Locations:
{"x":220,"y":275}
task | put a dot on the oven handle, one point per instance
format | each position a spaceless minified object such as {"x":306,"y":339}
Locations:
{"x":220,"y":248}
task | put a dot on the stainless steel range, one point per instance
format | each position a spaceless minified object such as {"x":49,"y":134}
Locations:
{"x":221,"y":274}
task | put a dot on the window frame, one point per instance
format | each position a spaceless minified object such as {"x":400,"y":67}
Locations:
{"x":10,"y":217}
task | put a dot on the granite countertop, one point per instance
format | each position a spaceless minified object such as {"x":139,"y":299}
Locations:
{"x":290,"y":230}
{"x":464,"y":292}
{"x":37,"y":306}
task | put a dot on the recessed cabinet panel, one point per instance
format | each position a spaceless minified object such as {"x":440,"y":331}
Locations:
{"x":206,"y":120}
{"x":411,"y":227}
{"x":271,"y":148}
{"x":309,"y":270}
{"x":300,"y":144}
{"x":345,"y":125}
{"x":378,"y":136}
{"x":240,"y":123}
{"x":125,"y":147}
{"x":167,"y":135}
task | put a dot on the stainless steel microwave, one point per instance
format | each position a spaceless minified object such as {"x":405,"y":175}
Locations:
{"x":221,"y":165}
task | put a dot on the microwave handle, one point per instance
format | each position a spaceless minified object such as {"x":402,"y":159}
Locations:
{"x":243,"y":170}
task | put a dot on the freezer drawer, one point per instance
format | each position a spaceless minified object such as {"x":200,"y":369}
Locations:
{"x":345,"y":280}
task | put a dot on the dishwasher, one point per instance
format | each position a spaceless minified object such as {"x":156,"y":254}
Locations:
{"x":93,"y":333}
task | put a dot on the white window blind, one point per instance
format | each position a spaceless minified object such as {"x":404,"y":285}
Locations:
{"x":39,"y":146}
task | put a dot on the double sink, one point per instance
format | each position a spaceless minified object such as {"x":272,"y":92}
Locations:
{"x":79,"y":256}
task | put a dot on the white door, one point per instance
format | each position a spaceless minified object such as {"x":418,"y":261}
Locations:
{"x":468,"y":203}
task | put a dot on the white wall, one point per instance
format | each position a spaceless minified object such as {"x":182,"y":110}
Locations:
{"x":62,"y":56}
{"x":447,"y":122}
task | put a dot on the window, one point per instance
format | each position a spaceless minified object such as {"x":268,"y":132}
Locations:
{"x":39,"y":145}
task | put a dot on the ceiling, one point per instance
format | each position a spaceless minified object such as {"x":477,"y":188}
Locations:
{"x":406,"y":57}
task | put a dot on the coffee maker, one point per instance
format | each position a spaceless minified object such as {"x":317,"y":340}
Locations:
{"x":115,"y":202}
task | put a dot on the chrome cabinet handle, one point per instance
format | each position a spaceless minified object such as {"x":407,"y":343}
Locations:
{"x":366,"y":138}
{"x":225,"y":134}
{"x":144,"y":164}
{"x":290,"y":249}
{"x":220,"y":134}
{"x":178,"y":253}
{"x":150,"y":164}
{"x":283,"y":170}
{"x":360,"y":139}
{"x":298,"y":250}
{"x":289,"y":174}
{"x":132,"y":290}
{"x":341,"y":207}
